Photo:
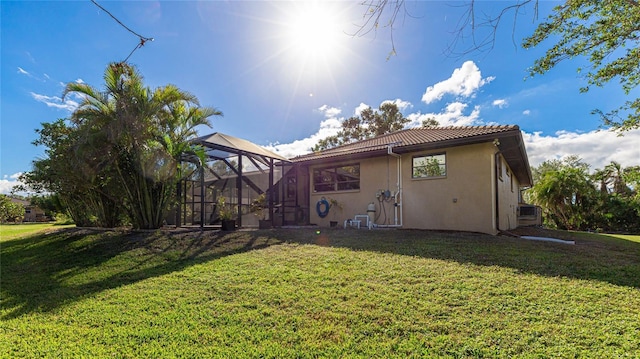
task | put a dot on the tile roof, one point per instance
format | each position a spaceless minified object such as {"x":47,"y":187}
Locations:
{"x":410,"y":138}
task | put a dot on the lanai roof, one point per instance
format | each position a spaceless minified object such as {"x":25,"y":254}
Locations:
{"x":221,"y":146}
{"x":509,"y":142}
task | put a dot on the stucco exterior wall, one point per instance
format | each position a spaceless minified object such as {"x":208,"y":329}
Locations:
{"x":508,"y":188}
{"x":373,"y":176}
{"x":464,"y":199}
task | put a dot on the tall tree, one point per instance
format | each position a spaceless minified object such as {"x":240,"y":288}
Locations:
{"x":10,"y":211}
{"x":565,"y":193}
{"x":606,"y":32}
{"x":136,"y":136}
{"x":571,"y":198}
{"x":370,"y":123}
{"x":611,"y":179}
{"x":72,"y":174}
{"x":631,"y":176}
{"x":121,"y":151}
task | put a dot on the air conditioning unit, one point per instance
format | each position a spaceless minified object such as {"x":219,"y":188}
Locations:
{"x":529,"y":215}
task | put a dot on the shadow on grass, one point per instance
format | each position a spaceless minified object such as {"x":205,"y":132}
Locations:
{"x":593,"y":257}
{"x":44,"y":271}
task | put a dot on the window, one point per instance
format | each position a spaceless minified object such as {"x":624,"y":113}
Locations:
{"x":336,"y":178}
{"x":428,"y":166}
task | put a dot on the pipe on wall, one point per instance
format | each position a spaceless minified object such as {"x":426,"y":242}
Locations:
{"x":496,"y":188}
{"x":397,"y":214}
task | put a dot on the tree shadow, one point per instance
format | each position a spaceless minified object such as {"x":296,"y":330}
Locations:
{"x":593,"y":257}
{"x":44,"y":271}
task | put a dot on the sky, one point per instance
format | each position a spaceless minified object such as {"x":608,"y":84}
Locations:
{"x":285,"y":74}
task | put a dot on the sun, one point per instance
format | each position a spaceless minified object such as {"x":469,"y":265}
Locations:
{"x":314,"y":32}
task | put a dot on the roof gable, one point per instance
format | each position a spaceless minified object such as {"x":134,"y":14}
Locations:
{"x":220,"y":145}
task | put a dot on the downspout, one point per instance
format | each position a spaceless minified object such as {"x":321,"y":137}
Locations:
{"x":496,"y":176}
{"x":202,"y":193}
{"x":270,"y":192}
{"x":239,"y":189}
{"x":397,"y":214}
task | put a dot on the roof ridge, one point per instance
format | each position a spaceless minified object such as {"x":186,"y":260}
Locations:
{"x":460,"y":127}
{"x":364,"y":140}
{"x":379,"y":141}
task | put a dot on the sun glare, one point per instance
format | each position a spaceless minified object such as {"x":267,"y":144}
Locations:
{"x":311,"y":45}
{"x":314,"y":32}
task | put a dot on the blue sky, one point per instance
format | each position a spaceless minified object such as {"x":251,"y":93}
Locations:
{"x":285,"y":73}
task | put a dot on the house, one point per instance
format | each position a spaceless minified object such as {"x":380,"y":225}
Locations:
{"x":31,"y":213}
{"x":444,"y":178}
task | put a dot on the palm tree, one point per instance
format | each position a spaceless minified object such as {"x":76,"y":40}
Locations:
{"x":135,"y":136}
{"x":616,"y":173}
{"x":565,"y":195}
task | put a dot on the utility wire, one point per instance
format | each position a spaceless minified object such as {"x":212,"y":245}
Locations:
{"x":143,"y":39}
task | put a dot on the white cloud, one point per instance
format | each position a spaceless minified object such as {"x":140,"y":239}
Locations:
{"x":361,"y":107}
{"x":329,"y":112}
{"x":402,"y":105}
{"x":79,"y":81}
{"x":56,"y":102}
{"x":452,"y":115}
{"x":8,"y":182}
{"x":597,"y":148}
{"x":500,"y":103}
{"x":464,"y":81}
{"x":22,"y":71}
{"x":329,"y":127}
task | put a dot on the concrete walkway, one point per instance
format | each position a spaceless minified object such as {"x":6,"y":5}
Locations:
{"x":548,"y":239}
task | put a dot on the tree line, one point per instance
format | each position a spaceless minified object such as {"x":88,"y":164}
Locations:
{"x":118,"y":158}
{"x":9,"y":210}
{"x":572,"y":198}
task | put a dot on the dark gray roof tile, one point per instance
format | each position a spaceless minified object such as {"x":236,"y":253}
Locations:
{"x":408,"y":138}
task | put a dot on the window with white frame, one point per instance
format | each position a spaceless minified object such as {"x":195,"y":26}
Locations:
{"x":429,"y":166}
{"x":336,"y":178}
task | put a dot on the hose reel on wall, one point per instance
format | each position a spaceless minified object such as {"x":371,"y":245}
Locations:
{"x":322,"y":207}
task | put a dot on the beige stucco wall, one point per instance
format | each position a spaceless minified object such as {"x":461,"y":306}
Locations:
{"x":462,"y":200}
{"x":508,"y":187}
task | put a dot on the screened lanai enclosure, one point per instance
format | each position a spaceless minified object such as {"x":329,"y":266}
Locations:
{"x":256,"y":187}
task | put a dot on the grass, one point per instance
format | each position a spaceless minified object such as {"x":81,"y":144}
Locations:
{"x":297,"y":293}
{"x":12,"y":231}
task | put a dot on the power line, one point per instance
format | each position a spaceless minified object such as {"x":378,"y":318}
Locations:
{"x":143,"y":39}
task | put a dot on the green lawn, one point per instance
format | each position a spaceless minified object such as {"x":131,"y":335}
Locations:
{"x":298,"y":293}
{"x":11,"y":231}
